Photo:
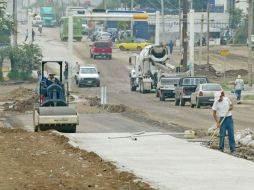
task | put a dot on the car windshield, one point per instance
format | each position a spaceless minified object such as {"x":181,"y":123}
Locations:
{"x":102,"y":45}
{"x":88,"y":71}
{"x":140,"y":40}
{"x":211,"y":87}
{"x":167,"y":81}
{"x":194,"y":81}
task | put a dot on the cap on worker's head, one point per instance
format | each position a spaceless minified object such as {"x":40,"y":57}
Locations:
{"x":239,"y":76}
{"x":51,"y":74}
{"x":217,"y":95}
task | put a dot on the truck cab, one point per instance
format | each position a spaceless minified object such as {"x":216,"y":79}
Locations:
{"x":166,"y":87}
{"x":185,"y":87}
{"x":101,"y":49}
{"x":48,"y":16}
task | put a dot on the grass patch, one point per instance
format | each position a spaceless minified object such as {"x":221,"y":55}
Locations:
{"x":248,"y":97}
{"x":226,"y":87}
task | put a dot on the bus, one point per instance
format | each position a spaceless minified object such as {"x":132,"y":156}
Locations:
{"x":77,"y":28}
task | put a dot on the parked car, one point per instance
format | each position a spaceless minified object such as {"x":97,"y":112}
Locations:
{"x":105,"y":36}
{"x":166,"y":87}
{"x":87,"y":76}
{"x":185,"y":87}
{"x":133,"y":44}
{"x":204,"y":94}
{"x":101,"y":49}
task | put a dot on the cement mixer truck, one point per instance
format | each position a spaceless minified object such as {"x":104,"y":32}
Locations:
{"x":145,"y":67}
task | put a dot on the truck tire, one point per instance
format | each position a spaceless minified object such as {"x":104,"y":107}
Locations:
{"x":182,"y":102}
{"x":162,"y":96}
{"x":94,"y":57}
{"x":110,"y":57}
{"x":198,"y":104}
{"x":192,"y":105}
{"x":36,"y":128}
{"x":133,"y":88}
{"x":177,"y":102}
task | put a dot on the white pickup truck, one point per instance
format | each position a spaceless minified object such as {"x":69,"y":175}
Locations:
{"x":87,"y":76}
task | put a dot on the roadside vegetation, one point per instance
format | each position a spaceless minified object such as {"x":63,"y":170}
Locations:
{"x":23,"y":58}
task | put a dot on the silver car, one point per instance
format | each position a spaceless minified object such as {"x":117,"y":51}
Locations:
{"x":204,"y":94}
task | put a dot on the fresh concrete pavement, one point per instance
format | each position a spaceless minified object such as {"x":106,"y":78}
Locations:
{"x":162,"y":160}
{"x":170,"y":163}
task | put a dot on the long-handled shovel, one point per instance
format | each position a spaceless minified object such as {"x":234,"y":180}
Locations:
{"x":210,"y":142}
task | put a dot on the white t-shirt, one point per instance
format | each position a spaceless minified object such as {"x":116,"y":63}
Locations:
{"x":222,"y":107}
{"x":239,"y":84}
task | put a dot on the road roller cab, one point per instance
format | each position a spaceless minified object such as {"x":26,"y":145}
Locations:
{"x":52,"y":111}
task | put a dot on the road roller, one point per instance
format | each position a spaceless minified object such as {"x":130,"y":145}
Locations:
{"x":52,"y":110}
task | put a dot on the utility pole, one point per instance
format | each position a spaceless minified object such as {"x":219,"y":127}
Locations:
{"x":104,"y":4}
{"x":15,"y":17}
{"x":201,"y":39}
{"x":132,"y":5}
{"x":250,"y":26}
{"x":208,"y":30}
{"x":163,"y":21}
{"x":180,"y":27}
{"x":184,"y":34}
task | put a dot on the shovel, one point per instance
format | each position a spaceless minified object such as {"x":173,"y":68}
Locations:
{"x":210,"y":142}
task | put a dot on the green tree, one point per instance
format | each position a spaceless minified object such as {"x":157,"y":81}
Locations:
{"x":6,"y":28}
{"x":235,"y":17}
{"x":24,"y":58}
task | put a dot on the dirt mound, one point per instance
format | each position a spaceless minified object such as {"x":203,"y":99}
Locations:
{"x":20,"y":100}
{"x":93,"y":101}
{"x":209,"y":71}
{"x":45,"y":160}
{"x":235,"y":73}
{"x":20,"y":93}
{"x":116,"y":108}
{"x":206,"y":70}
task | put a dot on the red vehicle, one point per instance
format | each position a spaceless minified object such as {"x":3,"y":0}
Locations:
{"x":101,"y":49}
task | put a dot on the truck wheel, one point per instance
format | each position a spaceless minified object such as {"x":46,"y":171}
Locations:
{"x":110,"y":57}
{"x":162,"y":97}
{"x":198,"y":104}
{"x":192,"y":105}
{"x":94,"y":56}
{"x":177,"y":102}
{"x":36,"y":128}
{"x":182,"y":102}
{"x":133,"y":88}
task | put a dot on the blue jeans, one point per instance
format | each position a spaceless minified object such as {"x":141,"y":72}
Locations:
{"x":238,"y":94}
{"x":229,"y":126}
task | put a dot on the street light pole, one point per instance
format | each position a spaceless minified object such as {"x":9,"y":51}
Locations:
{"x":201,"y":40}
{"x":180,"y":28}
{"x":163,"y":21}
{"x":208,"y":30}
{"x":250,"y":26}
